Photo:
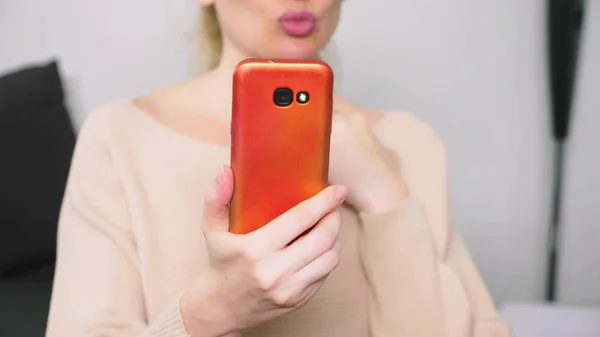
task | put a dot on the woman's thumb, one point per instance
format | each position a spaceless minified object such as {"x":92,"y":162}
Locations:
{"x":216,"y":204}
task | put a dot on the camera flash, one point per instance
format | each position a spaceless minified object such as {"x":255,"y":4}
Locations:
{"x":302,"y":97}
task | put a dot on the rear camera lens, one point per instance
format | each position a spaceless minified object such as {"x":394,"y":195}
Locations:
{"x":283,"y":97}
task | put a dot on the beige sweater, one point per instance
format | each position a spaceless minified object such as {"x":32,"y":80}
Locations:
{"x":130,"y":242}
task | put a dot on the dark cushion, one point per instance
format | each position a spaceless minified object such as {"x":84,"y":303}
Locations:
{"x":36,"y":145}
{"x":24,"y":306}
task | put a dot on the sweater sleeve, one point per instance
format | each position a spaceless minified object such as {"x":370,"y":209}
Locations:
{"x":97,"y":288}
{"x":423,"y":280}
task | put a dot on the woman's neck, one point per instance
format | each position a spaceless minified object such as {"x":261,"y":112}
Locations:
{"x":216,"y":85}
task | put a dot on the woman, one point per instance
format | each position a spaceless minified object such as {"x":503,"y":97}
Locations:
{"x":143,"y":243}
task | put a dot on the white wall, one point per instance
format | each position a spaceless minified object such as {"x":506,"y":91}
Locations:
{"x":108,"y":49}
{"x":473,"y":69}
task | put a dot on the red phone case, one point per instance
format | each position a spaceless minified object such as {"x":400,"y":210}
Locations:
{"x":279,"y":155}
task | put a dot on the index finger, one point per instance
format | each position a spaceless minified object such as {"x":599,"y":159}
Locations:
{"x":285,"y":228}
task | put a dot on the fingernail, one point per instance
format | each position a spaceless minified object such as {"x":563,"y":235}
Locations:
{"x":340,"y":193}
{"x":221,"y":175}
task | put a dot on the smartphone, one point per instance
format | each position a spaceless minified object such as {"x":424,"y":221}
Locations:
{"x":280,"y":138}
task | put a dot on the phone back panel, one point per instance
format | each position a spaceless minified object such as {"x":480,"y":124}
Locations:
{"x":279,"y":155}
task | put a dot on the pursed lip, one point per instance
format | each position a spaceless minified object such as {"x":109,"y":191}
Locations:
{"x":297,"y":23}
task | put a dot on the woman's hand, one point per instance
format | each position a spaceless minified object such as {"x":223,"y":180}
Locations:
{"x":257,"y":277}
{"x":359,"y":162}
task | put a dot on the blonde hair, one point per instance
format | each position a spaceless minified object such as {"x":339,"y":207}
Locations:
{"x":211,"y":37}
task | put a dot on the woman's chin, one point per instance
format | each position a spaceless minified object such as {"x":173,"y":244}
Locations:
{"x":299,"y":49}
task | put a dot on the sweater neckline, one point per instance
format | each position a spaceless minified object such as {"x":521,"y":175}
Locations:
{"x":162,"y":128}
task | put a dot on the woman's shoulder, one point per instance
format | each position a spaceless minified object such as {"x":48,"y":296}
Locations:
{"x":401,"y":131}
{"x":121,"y":128}
{"x":107,"y":118}
{"x":122,"y":121}
{"x":409,"y":133}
